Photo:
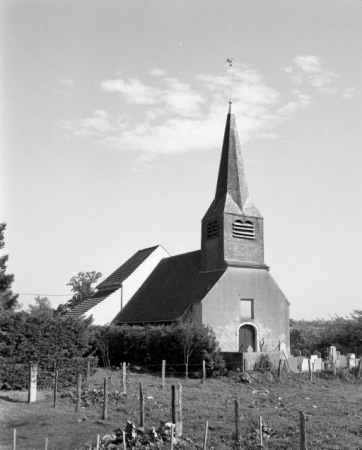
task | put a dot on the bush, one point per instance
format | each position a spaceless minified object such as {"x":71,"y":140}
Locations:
{"x":147,"y":346}
{"x":44,"y":340}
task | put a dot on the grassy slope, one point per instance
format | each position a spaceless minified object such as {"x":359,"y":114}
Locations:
{"x":334,"y":409}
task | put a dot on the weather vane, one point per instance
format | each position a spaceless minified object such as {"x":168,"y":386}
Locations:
{"x":230,"y":62}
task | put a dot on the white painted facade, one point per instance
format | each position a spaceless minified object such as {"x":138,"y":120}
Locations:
{"x":106,"y":310}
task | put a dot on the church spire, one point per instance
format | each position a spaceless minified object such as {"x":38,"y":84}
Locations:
{"x":231,"y":179}
{"x":232,"y":228}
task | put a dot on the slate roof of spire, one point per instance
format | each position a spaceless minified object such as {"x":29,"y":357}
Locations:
{"x":112,"y":283}
{"x":174,"y":285}
{"x":231,"y":189}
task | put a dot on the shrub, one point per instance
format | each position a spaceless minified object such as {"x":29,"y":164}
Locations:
{"x":44,"y":340}
{"x":147,"y":346}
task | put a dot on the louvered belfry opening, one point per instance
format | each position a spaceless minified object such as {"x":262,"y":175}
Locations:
{"x":212,"y":229}
{"x":243,"y":230}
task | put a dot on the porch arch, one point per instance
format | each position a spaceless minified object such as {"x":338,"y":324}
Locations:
{"x":257,"y":335}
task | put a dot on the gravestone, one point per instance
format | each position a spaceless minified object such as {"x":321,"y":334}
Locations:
{"x":318,"y":364}
{"x":305,"y":365}
{"x":332,"y":352}
{"x":316,"y":353}
{"x":341,"y":361}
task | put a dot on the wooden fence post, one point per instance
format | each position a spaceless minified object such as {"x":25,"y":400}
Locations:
{"x":173,"y":404}
{"x":303,"y":437}
{"x":280,"y":368}
{"x":172,"y":433}
{"x":359,"y":369}
{"x":205,"y":435}
{"x":105,"y":399}
{"x":46,"y":444}
{"x":124,"y":440}
{"x":14,"y":440}
{"x":237,"y":424}
{"x":177,"y":409}
{"x":261,"y":430}
{"x":98,"y":439}
{"x":33,"y":374}
{"x":78,"y":392}
{"x":124,"y":377}
{"x":310,"y":369}
{"x":244,"y":365}
{"x":142,"y":407}
{"x":87,"y":377}
{"x":55,"y":397}
{"x":163,"y":373}
{"x":203,"y":371}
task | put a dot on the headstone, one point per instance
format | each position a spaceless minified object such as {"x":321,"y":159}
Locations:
{"x":318,"y":364}
{"x":293,"y":364}
{"x":341,"y":361}
{"x":305,"y":365}
{"x":351,"y":360}
{"x":332,"y":353}
{"x":316,"y":353}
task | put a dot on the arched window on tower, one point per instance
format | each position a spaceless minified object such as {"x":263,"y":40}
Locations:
{"x":243,"y":230}
{"x":212,"y":229}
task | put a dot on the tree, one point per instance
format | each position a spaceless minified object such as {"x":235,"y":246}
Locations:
{"x":42,"y":307}
{"x":8,"y":300}
{"x":81,"y":285}
{"x":196,"y":341}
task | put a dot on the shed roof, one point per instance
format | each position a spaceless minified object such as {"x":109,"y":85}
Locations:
{"x":174,"y":285}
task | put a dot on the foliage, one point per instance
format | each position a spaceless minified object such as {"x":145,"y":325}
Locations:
{"x":42,"y":307}
{"x":8,"y":300}
{"x":81,"y":285}
{"x":263,"y":364}
{"x":149,"y":345}
{"x":343,"y":332}
{"x":39,"y":338}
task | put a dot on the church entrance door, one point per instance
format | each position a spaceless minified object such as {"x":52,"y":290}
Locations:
{"x":246,"y":338}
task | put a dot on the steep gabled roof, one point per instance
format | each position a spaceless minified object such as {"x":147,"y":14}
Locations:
{"x":113,"y":282}
{"x":126,"y":269}
{"x":89,"y":303}
{"x":174,"y":285}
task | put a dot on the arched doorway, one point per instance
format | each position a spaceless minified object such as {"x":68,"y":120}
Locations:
{"x":247,"y":338}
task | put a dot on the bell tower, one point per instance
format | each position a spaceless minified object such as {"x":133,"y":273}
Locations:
{"x":232,"y":229}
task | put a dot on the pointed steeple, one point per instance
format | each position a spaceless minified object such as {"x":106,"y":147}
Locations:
{"x":231,"y":179}
{"x":232,"y":228}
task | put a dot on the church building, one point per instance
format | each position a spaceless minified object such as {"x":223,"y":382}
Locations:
{"x":226,"y":284}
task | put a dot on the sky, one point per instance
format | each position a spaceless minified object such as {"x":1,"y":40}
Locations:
{"x":112,"y":120}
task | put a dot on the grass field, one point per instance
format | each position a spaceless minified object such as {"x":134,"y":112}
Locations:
{"x":333,"y":407}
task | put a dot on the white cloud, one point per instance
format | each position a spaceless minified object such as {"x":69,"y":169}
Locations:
{"x":132,"y":90}
{"x":158,"y":72}
{"x":67,"y":82}
{"x":95,"y":126}
{"x":311,"y":71}
{"x":309,"y":63}
{"x":179,"y":117}
{"x":349,"y":92}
